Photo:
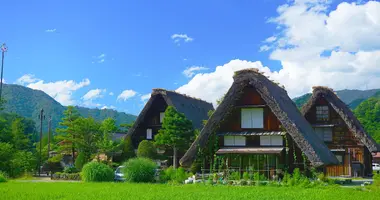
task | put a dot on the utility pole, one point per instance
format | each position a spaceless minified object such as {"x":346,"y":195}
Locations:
{"x":4,"y":49}
{"x":42,"y":117}
{"x":49,"y":136}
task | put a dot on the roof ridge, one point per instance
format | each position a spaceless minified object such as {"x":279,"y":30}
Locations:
{"x":164,"y":91}
{"x":241,"y":73}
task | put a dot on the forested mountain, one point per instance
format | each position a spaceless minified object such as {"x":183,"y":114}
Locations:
{"x":368,"y":113}
{"x":351,"y":97}
{"x":28,"y":103}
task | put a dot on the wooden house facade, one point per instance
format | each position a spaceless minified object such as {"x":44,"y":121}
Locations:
{"x":151,"y":117}
{"x":258,"y":127}
{"x":341,"y":131}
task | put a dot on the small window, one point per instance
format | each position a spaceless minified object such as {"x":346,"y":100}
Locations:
{"x":234,"y":141}
{"x":276,"y":140}
{"x":252,"y":118}
{"x":339,"y":158}
{"x":322,"y":113}
{"x":324,"y":133}
{"x":149,"y":134}
{"x":162,"y":115}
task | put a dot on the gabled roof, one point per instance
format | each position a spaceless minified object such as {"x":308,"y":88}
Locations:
{"x":280,"y":104}
{"x":344,"y":112}
{"x":194,"y":109}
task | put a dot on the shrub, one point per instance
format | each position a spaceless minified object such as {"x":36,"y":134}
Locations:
{"x":3,"y":177}
{"x":243,"y":182}
{"x":297,"y":175}
{"x":139,"y":170}
{"x":376,"y":180}
{"x":128,"y":150}
{"x":246,"y":176}
{"x":174,"y":175}
{"x":234,"y":176}
{"x":97,"y":172}
{"x":146,"y":149}
{"x":80,"y":161}
{"x":70,"y":170}
{"x":322,"y":177}
{"x":195,"y":167}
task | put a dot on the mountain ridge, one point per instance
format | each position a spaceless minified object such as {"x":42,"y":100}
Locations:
{"x":28,"y":102}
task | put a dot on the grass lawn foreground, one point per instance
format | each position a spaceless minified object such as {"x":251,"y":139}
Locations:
{"x":83,"y":191}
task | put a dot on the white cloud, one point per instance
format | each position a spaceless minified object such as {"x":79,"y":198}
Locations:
{"x":108,"y":107}
{"x":26,"y":79}
{"x":99,"y":59}
{"x":126,"y":94}
{"x":61,"y":91}
{"x":145,"y":97}
{"x":190,"y":71}
{"x":111,"y":93}
{"x":264,"y":48}
{"x":181,"y":37}
{"x":211,"y":86}
{"x":50,"y":30}
{"x":316,"y":45}
{"x":94,"y":94}
{"x":270,"y":39}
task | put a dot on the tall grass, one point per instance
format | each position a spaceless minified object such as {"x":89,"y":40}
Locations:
{"x":139,"y":170}
{"x":3,"y":177}
{"x":97,"y":172}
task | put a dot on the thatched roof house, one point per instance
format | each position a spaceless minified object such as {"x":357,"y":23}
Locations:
{"x":344,"y":112}
{"x":280,"y":104}
{"x":194,"y":109}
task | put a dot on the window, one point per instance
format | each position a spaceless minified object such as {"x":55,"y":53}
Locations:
{"x":339,"y":158}
{"x":276,"y":140}
{"x":149,"y":134}
{"x":322,"y":113}
{"x":162,"y":115}
{"x":324,"y":133}
{"x":252,"y":118}
{"x":234,"y":141}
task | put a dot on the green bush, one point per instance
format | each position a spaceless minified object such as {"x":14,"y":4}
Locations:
{"x":146,"y":149}
{"x":80,"y":161}
{"x":246,"y":176}
{"x":70,"y":170}
{"x":376,"y":180}
{"x":3,"y":177}
{"x":139,"y":170}
{"x":195,"y":167}
{"x":128,"y":150}
{"x":174,"y":175}
{"x":234,"y":176}
{"x":97,"y":172}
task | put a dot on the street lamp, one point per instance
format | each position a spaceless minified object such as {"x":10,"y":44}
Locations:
{"x":4,"y":49}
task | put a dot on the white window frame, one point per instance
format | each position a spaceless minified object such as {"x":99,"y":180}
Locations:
{"x":252,"y":118}
{"x":149,"y":134}
{"x":237,"y":141}
{"x":271,"y":140}
{"x":162,"y":115}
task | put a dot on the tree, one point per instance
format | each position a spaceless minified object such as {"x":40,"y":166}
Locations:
{"x":80,"y":161}
{"x":128,"y":151}
{"x":20,"y":139}
{"x":368,"y":113}
{"x":176,"y":132}
{"x":68,"y":134}
{"x":105,"y":144}
{"x":146,"y":149}
{"x":87,"y":135}
{"x":125,"y":127}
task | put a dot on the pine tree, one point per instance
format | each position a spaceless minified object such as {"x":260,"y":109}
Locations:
{"x":176,"y":132}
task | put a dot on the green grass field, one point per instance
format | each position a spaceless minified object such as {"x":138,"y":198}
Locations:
{"x":83,"y":191}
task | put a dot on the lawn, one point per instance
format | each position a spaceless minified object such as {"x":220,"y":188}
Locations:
{"x":83,"y":191}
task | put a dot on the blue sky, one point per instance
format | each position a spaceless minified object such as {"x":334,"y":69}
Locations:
{"x":135,"y":46}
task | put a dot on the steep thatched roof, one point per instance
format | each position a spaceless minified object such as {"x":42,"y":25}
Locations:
{"x":344,"y":112}
{"x":280,"y":104}
{"x":194,"y":109}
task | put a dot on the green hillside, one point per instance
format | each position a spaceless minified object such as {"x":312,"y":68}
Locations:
{"x":28,"y":103}
{"x":351,"y":97}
